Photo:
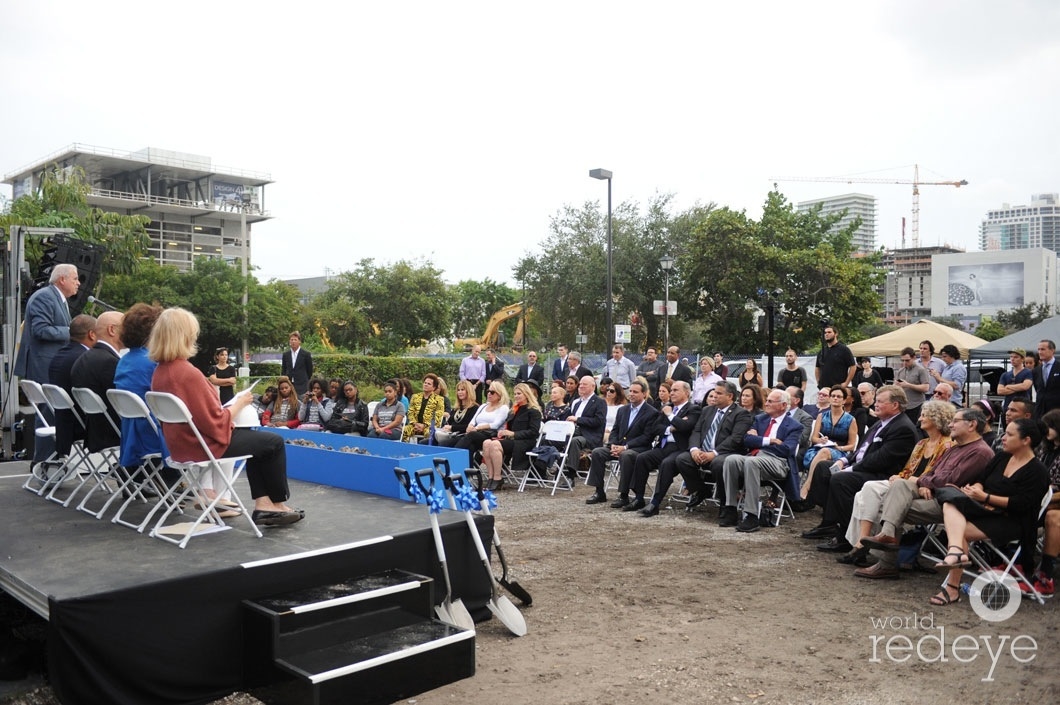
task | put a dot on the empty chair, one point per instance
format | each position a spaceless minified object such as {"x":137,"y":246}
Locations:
{"x":39,"y":472}
{"x":78,"y":461}
{"x":557,"y":434}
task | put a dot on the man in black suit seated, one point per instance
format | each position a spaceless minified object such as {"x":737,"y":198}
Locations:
{"x":675,"y":369}
{"x":883,"y":452}
{"x":82,"y":337}
{"x":575,"y":368}
{"x":675,"y":425}
{"x":706,"y":456}
{"x":95,"y":370}
{"x":632,"y":434}
{"x":589,"y":416}
{"x":531,"y":371}
{"x":772,"y":441}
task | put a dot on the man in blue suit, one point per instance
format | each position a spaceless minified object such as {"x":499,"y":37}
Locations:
{"x":559,"y":366}
{"x":772,"y":440}
{"x":45,"y":330}
{"x":47,"y":324}
{"x":632,"y":434}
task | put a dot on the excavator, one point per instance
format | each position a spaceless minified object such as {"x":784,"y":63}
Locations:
{"x":489,"y":337}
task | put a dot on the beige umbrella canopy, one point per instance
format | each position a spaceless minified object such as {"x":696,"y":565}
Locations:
{"x":911,"y":335}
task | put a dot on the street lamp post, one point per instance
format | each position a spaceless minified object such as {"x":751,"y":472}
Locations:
{"x":666,"y":263}
{"x":604,"y":174}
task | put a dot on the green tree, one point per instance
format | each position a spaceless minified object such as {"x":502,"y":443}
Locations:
{"x":1023,"y":317}
{"x":733,"y":268}
{"x":989,"y":329}
{"x":62,"y":202}
{"x":402,"y":304}
{"x":474,"y":302}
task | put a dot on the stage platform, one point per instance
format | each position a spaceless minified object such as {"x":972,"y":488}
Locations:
{"x":133,"y":619}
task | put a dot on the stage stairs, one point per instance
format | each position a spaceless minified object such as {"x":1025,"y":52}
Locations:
{"x":373,"y":639}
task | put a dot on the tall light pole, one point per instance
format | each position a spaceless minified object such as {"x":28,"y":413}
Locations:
{"x":666,"y":263}
{"x":604,"y":174}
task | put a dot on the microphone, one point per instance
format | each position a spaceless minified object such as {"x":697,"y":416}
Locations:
{"x":102,"y":304}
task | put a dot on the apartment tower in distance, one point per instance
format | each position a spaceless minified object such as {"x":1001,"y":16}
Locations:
{"x":856,"y":205}
{"x":1023,"y":227}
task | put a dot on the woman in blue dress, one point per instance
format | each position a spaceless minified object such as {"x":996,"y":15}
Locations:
{"x":834,"y":435}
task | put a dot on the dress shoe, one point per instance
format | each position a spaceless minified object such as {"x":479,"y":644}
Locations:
{"x":881,"y":542}
{"x":620,"y":503}
{"x":857,"y":557}
{"x":835,"y":545}
{"x":697,"y":498}
{"x":598,"y":498}
{"x":824,"y":531}
{"x":748,"y":524}
{"x":650,"y":510}
{"x":634,"y":506}
{"x":266,"y":518}
{"x":877,"y":572}
{"x":801,"y":505}
{"x":728,"y":517}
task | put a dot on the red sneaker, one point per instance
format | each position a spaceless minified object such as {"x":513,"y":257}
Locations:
{"x":1044,"y":584}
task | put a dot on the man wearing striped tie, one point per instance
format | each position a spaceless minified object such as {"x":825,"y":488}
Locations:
{"x":718,"y":434}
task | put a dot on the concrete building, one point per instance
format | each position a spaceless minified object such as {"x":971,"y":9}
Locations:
{"x":196,"y":209}
{"x":907,"y":293}
{"x":856,"y":205}
{"x":973,"y":284}
{"x":1020,"y":227}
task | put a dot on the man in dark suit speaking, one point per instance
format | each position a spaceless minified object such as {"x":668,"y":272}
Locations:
{"x":298,"y":364}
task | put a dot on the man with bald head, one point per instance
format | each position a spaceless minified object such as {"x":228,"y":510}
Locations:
{"x":95,"y":370}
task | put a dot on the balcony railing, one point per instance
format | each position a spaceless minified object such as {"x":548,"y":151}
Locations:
{"x":225,"y":207}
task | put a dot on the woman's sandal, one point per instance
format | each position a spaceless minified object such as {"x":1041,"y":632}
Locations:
{"x":943,"y":597}
{"x":961,"y":561}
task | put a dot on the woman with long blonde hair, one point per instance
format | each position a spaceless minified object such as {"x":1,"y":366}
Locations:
{"x":519,"y":435}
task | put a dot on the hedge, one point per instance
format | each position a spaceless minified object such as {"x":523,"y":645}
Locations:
{"x":370,"y":370}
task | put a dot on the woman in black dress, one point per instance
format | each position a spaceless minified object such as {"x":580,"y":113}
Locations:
{"x":1003,"y":507}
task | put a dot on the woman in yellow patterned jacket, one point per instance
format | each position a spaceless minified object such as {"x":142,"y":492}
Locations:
{"x":424,"y":408}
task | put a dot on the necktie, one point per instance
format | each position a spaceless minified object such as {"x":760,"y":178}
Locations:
{"x":708,"y":440}
{"x":632,"y":415}
{"x":669,"y":371}
{"x":769,"y":430}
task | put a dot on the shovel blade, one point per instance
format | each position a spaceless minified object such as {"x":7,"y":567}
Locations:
{"x":509,"y":614}
{"x":518,"y":591}
{"x":460,"y":616}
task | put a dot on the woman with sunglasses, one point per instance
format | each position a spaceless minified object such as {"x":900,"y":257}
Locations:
{"x":487,"y":421}
{"x":615,"y":397}
{"x":519,"y":435}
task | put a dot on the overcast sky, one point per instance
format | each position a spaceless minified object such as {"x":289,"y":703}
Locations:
{"x":453,"y":131}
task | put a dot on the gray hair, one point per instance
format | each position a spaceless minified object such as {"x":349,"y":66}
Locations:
{"x":60,"y":271}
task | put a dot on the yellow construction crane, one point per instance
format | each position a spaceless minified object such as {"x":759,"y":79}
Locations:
{"x":489,"y":337}
{"x":916,"y":183}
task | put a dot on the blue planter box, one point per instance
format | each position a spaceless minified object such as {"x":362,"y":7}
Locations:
{"x":372,"y":473}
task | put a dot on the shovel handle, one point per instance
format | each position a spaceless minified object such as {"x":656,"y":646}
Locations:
{"x":403,"y":477}
{"x":420,"y":474}
{"x":441,"y":466}
{"x":474,"y":475}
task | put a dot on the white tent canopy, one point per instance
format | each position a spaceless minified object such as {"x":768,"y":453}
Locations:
{"x":910,"y":336}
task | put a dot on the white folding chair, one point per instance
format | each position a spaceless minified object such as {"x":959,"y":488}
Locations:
{"x":39,"y":471}
{"x":147,"y":475}
{"x":169,"y":408}
{"x":559,"y":435}
{"x":92,"y":405}
{"x":78,"y":461}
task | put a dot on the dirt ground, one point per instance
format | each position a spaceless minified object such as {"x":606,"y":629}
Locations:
{"x":674,"y":609}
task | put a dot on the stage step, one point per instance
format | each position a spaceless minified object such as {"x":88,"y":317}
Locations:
{"x":367,"y":640}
